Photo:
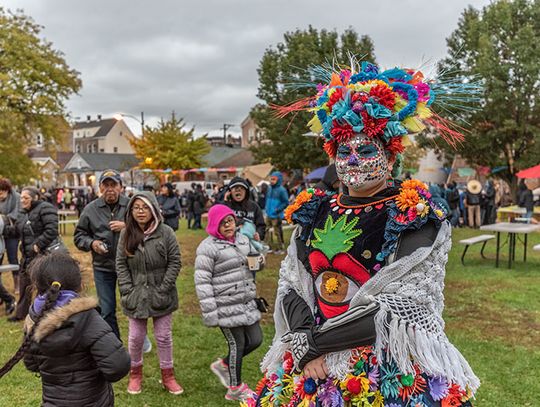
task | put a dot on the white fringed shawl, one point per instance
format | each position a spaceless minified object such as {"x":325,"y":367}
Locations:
{"x":409,"y":323}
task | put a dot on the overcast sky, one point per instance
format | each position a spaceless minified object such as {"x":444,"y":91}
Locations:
{"x":199,"y":58}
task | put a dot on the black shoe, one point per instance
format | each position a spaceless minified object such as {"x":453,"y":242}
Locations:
{"x":10,"y":307}
{"x":14,"y":319}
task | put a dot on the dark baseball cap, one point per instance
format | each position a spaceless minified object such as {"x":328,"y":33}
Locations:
{"x":238,"y":181}
{"x":110,"y":174}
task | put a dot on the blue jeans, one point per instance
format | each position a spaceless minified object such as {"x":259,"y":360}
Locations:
{"x":454,"y":217}
{"x":11,"y":249}
{"x":106,"y":292}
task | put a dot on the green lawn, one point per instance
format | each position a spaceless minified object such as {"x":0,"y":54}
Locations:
{"x":492,"y":316}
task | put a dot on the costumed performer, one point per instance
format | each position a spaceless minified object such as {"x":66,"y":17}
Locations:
{"x":358,"y":313}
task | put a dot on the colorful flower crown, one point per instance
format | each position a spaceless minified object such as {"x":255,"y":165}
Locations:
{"x":388,"y":105}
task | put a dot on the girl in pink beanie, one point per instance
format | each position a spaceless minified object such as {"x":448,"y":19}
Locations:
{"x":227,"y":292}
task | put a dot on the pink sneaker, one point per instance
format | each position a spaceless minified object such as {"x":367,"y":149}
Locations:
{"x":221,"y":370}
{"x":239,"y":393}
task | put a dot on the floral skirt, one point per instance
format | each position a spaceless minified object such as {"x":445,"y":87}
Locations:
{"x":370,"y":383}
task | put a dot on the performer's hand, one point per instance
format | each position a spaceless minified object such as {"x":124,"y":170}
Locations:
{"x":316,"y":369}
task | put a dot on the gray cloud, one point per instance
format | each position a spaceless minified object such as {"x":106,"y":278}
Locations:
{"x":200,"y":58}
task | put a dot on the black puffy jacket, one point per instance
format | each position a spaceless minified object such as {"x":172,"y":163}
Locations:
{"x":77,"y":356}
{"x":37,"y":226}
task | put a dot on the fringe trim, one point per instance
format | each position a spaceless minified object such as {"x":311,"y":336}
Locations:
{"x":434,"y":354}
{"x":339,"y":363}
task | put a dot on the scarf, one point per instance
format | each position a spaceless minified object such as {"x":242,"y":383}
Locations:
{"x":410,"y":287}
{"x":64,"y":297}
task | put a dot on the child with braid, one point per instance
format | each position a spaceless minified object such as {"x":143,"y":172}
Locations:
{"x":66,"y":341}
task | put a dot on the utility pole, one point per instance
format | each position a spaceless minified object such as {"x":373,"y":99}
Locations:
{"x":226,"y":126}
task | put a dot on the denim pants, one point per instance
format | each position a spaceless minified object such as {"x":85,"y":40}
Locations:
{"x":197,"y":223}
{"x":106,"y":292}
{"x":11,"y":250}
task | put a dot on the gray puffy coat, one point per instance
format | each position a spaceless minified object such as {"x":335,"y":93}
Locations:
{"x":147,"y":280}
{"x":224,"y":283}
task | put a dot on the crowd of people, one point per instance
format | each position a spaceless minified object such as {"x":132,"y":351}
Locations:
{"x":133,"y":247}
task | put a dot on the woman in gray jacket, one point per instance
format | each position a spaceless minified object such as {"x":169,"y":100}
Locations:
{"x":227,"y":292}
{"x":147,"y":263}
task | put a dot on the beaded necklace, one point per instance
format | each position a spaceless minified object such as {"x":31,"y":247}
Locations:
{"x":336,"y":205}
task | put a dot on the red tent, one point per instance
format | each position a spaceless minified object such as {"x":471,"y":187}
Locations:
{"x":533,"y":172}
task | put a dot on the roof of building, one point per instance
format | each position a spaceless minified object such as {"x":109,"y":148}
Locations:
{"x":60,"y":157}
{"x":242,"y":158}
{"x":219,"y":154}
{"x":63,"y":157}
{"x":105,"y":126}
{"x":103,"y":161}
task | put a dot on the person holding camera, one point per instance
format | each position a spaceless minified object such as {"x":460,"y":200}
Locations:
{"x":238,"y":199}
{"x":98,"y":231}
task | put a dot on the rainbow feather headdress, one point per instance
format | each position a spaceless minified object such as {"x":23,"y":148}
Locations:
{"x":389,"y":105}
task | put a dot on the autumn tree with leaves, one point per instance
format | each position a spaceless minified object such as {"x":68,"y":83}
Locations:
{"x":35,"y":83}
{"x":499,"y":47}
{"x":286,"y":147}
{"x":170,"y":145}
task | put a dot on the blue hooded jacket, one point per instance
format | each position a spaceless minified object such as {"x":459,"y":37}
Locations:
{"x":277,"y":198}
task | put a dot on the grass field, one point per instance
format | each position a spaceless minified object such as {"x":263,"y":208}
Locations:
{"x":492,"y":316}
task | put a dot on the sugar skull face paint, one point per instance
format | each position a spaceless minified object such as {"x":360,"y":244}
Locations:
{"x":361,"y":162}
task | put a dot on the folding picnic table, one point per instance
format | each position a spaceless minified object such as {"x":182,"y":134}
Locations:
{"x":513,"y":229}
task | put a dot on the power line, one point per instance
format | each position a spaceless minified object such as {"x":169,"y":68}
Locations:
{"x":226,"y":126}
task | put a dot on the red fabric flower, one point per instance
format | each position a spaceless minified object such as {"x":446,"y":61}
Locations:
{"x":354,"y":386}
{"x":454,"y":398}
{"x":288,"y":362}
{"x":384,"y":94}
{"x":395,"y":146}
{"x":335,"y":97}
{"x":373,"y":127}
{"x":341,"y":132}
{"x":330,"y":147}
{"x":261,"y":385}
{"x":361,"y":96}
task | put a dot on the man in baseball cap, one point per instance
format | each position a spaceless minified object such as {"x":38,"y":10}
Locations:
{"x":98,"y":231}
{"x":112,"y":175}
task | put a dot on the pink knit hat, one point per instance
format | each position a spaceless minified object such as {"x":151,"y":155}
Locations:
{"x":215,"y":215}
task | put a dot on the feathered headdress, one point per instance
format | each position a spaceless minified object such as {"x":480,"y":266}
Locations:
{"x":388,"y":104}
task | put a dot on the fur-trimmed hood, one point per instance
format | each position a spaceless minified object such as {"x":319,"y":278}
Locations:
{"x":58,"y":316}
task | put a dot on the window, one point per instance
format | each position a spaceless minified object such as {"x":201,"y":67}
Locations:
{"x":89,"y":148}
{"x":101,"y":150}
{"x":39,"y":140}
{"x":115,"y":149}
{"x":78,"y":148}
{"x":94,"y":148}
{"x":120,"y":134}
